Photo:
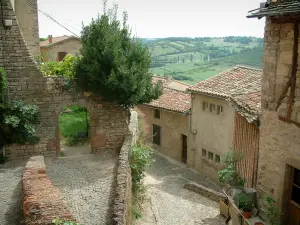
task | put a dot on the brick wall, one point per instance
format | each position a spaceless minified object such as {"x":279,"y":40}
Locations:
{"x":246,"y":141}
{"x":42,"y":201}
{"x":109,"y":121}
{"x":280,"y":140}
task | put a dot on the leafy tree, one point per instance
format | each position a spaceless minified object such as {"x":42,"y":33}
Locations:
{"x":113,"y":64}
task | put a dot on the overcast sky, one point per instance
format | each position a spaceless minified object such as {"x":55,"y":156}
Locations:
{"x":158,"y":18}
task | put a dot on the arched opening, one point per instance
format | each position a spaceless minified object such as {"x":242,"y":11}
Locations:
{"x":74,"y":131}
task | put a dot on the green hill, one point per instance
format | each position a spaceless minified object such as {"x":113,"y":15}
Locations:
{"x":194,"y":59}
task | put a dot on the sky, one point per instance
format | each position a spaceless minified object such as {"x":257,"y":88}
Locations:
{"x":158,"y":18}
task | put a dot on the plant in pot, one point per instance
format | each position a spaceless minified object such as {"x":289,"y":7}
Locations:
{"x":244,"y":203}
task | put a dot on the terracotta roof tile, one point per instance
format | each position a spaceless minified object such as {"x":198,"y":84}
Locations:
{"x":55,"y":40}
{"x":173,"y":100}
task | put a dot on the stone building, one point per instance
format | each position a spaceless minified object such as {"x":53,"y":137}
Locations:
{"x":166,"y":120}
{"x":279,"y":158}
{"x":109,"y":121}
{"x":56,"y":48}
{"x":223,"y":108}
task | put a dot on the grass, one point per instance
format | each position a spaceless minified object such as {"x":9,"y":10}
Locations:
{"x":72,"y":123}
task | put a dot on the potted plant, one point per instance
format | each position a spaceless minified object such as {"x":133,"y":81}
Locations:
{"x":245,"y":204}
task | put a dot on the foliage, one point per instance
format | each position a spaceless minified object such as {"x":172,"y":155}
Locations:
{"x":229,"y":175}
{"x":17,"y":120}
{"x":74,"y":125}
{"x":63,"y":222}
{"x":182,"y":77}
{"x":43,"y":39}
{"x":63,"y":68}
{"x":140,"y":159}
{"x":273,"y":212}
{"x":113,"y":64}
{"x":244,"y":202}
{"x":3,"y":81}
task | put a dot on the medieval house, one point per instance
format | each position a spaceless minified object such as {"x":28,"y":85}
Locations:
{"x":166,"y":120}
{"x":279,"y":156}
{"x":224,"y":107}
{"x":56,"y":48}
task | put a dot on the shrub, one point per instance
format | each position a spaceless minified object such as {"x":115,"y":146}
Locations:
{"x":113,"y":64}
{"x":63,"y":222}
{"x":273,"y":212}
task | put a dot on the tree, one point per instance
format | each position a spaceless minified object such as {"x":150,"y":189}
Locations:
{"x":113,"y":64}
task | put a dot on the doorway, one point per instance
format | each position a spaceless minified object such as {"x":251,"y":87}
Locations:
{"x":184,"y":148}
{"x":294,"y":198}
{"x":74,"y":131}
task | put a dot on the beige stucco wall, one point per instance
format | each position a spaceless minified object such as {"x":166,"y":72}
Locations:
{"x":279,"y":141}
{"x":71,"y":46}
{"x":212,"y":132}
{"x":27,"y":16}
{"x":172,"y":126}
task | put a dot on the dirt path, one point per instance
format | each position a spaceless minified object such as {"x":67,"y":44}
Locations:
{"x":169,"y":203}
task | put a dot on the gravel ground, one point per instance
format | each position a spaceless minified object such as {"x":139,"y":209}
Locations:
{"x":86,"y":183}
{"x":11,"y":212}
{"x":169,"y":203}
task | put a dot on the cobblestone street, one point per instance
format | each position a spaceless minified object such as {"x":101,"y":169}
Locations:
{"x":11,"y":212}
{"x":86,"y":183}
{"x":169,"y":203}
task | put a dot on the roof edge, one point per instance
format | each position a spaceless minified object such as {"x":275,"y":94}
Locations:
{"x":184,"y":113}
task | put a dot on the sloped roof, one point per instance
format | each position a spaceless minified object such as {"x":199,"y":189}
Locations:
{"x":240,"y":85}
{"x":281,"y":7}
{"x":172,"y":100}
{"x":56,"y":40}
{"x":171,"y":83}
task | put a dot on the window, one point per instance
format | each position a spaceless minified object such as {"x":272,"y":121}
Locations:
{"x":61,"y":56}
{"x":211,"y":155}
{"x":219,"y":109}
{"x":156,"y":114}
{"x":217,"y":159}
{"x":204,"y":106}
{"x":296,"y":186}
{"x":156,"y":134}
{"x":212,"y":107}
{"x":203,"y":152}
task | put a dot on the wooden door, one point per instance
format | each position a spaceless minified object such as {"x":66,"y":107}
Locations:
{"x":294,"y":198}
{"x":184,"y":148}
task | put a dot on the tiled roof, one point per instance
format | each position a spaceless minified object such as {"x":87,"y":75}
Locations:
{"x":170,"y":83}
{"x":281,"y":7}
{"x":55,"y":40}
{"x":239,"y":85}
{"x":235,"y":81}
{"x":173,"y":100}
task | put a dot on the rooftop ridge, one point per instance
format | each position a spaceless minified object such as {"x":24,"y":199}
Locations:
{"x":248,"y":67}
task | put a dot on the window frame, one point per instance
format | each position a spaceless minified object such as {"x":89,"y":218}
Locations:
{"x":205,"y":106}
{"x":210,"y":155}
{"x":220,"y":109}
{"x":156,"y":113}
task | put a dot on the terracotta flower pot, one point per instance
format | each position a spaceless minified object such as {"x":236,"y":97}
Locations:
{"x":247,"y":215}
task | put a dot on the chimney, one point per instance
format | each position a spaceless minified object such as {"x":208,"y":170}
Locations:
{"x":50,"y":39}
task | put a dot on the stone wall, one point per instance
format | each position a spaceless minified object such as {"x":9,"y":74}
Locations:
{"x":109,"y":121}
{"x":122,"y":204}
{"x":42,"y":201}
{"x":246,"y":141}
{"x":280,"y":140}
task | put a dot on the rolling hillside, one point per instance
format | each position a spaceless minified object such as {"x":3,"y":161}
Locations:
{"x":193,"y":59}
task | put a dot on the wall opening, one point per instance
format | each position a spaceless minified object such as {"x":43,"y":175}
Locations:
{"x":74,"y":131}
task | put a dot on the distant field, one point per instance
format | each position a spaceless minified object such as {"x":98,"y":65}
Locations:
{"x":192,"y":60}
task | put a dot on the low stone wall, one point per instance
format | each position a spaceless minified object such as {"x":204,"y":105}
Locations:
{"x":206,"y":192}
{"x":42,"y":201}
{"x":122,"y":204}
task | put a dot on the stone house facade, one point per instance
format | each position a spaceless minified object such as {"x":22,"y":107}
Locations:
{"x":56,"y":48}
{"x":217,"y":124}
{"x":279,"y":158}
{"x":166,"y":120}
{"x":109,"y":121}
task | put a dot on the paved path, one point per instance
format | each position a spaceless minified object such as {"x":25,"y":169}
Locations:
{"x":86,"y":183}
{"x":169,"y":203}
{"x":11,"y":212}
